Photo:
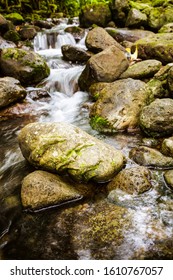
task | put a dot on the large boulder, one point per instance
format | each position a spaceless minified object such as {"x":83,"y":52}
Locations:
{"x":105,"y":66}
{"x":150,"y":157}
{"x":98,"y":40}
{"x":156,"y":119}
{"x":158,"y":46}
{"x":99,"y":14}
{"x":10,"y":91}
{"x":118,"y":106}
{"x":64,"y":148}
{"x":27,"y":32}
{"x":26,"y":66}
{"x":42,"y":189}
{"x":142,"y":70}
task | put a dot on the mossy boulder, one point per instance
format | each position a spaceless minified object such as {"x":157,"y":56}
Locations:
{"x":160,"y":16}
{"x":66,"y":149}
{"x":26,"y":66}
{"x":133,"y":180}
{"x":98,"y":14}
{"x":142,"y":70}
{"x":98,"y":40}
{"x":118,"y":106}
{"x":10,"y":91}
{"x":158,"y":46}
{"x":156,"y":119}
{"x":12,"y":35}
{"x":42,"y":189}
{"x":167,"y":28}
{"x":150,"y":157}
{"x":16,"y":18}
{"x":105,"y":66}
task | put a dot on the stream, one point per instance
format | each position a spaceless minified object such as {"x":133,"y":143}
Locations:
{"x":94,"y":228}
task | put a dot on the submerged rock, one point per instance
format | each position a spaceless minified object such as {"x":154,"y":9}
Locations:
{"x":98,"y":40}
{"x":10,"y":91}
{"x":156,"y":119}
{"x":118,"y":106}
{"x":42,"y":189}
{"x":26,"y":66}
{"x":105,"y":66}
{"x":66,"y":149}
{"x":150,"y":157}
{"x":134,"y":180}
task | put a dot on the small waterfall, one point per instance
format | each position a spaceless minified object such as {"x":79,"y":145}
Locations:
{"x":65,"y":39}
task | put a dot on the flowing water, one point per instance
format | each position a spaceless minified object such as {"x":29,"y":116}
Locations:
{"x":89,"y":230}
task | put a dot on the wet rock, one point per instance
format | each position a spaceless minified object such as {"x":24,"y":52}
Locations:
{"x":136,"y":18}
{"x":41,"y":189}
{"x":4,"y":25}
{"x":98,"y":40}
{"x":10,"y":91}
{"x":98,"y":14}
{"x":6,"y":44}
{"x":150,"y":157}
{"x":77,"y":32}
{"x":64,"y":148}
{"x":134,"y":180}
{"x":16,"y":18}
{"x":167,"y":146}
{"x":168,"y":176}
{"x":26,"y":66}
{"x":105,"y":66}
{"x":43,"y":24}
{"x":27,"y":32}
{"x":159,"y":46}
{"x":156,"y":119}
{"x":142,"y":70}
{"x":124,"y":34}
{"x":118,"y":106}
{"x":75,"y":54}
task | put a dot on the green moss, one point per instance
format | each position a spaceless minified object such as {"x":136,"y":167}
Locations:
{"x":98,"y":122}
{"x":15,"y":18}
{"x":140,"y":6}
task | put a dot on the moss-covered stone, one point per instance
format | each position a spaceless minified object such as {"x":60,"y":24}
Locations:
{"x":12,"y":35}
{"x":16,"y":18}
{"x":26,"y":66}
{"x":64,"y":148}
{"x":99,"y":14}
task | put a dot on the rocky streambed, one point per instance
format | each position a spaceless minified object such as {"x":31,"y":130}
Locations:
{"x":87,"y":156}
